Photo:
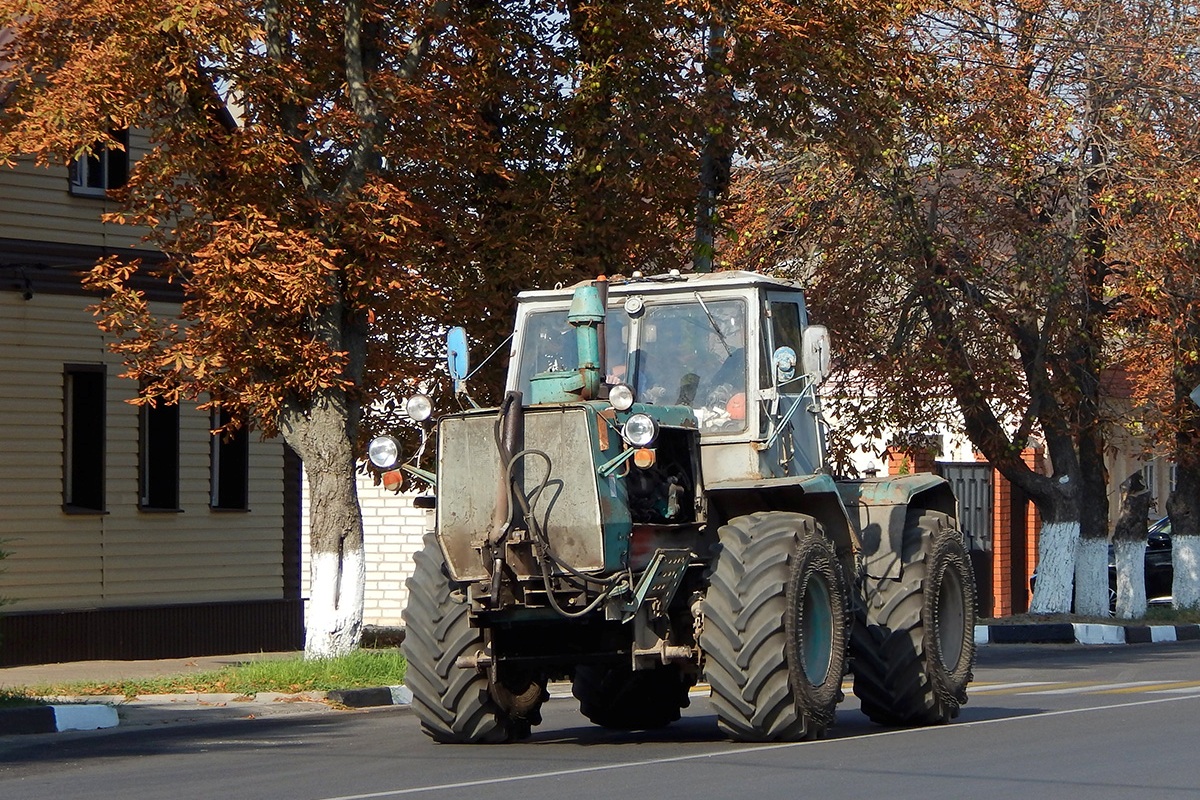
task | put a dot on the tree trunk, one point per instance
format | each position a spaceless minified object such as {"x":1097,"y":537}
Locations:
{"x":1129,"y":544}
{"x":322,"y":437}
{"x":1091,"y":563}
{"x":1091,"y":577}
{"x":1183,"y":506}
{"x":1058,"y":545}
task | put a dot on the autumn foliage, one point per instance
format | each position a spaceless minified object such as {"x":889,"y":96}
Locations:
{"x":330,"y":183}
{"x":1027,"y":231}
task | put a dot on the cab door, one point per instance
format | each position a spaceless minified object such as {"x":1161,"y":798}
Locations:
{"x":792,"y":422}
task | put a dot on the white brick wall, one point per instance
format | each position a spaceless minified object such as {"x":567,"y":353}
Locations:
{"x":392,"y":531}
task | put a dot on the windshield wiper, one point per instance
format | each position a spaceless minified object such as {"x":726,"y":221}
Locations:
{"x":715,"y":326}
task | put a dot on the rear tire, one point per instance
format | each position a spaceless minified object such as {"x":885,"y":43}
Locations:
{"x":775,"y":628}
{"x":622,"y":699}
{"x":452,"y":703}
{"x":913,"y":645}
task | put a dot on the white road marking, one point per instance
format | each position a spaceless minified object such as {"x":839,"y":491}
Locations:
{"x":1005,"y":687}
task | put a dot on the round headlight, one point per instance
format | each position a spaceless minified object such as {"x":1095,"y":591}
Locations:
{"x":384,"y":452}
{"x":621,"y":396}
{"x":419,"y":407}
{"x":640,"y":430}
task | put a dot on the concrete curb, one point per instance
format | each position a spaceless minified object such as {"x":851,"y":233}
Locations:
{"x":93,"y":713}
{"x":1084,"y":633}
{"x":367,"y":698}
{"x":58,"y":718}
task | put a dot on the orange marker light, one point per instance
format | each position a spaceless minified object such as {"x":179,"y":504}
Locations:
{"x":393,"y":479}
{"x":644,"y":458}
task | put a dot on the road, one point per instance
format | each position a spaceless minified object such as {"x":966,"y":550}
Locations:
{"x":1055,"y":721}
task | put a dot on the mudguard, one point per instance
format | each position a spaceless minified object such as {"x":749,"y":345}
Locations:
{"x":880,"y":507}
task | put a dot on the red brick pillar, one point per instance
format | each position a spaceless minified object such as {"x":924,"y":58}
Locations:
{"x":1002,"y":545}
{"x":1015,"y":529}
{"x":1034,"y":458}
{"x":912,"y":460}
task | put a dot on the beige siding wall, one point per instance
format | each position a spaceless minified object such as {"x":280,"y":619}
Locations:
{"x":125,"y":557}
{"x":392,"y":531}
{"x":36,"y":204}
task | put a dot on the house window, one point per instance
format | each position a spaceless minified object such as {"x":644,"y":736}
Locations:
{"x":158,"y":456}
{"x":104,"y":167}
{"x":230,"y":467}
{"x":1150,"y":478}
{"x":83,"y":437}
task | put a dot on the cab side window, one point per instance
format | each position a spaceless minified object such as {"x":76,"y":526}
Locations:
{"x":785,"y":332}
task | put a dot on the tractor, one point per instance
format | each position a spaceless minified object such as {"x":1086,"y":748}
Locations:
{"x":649,"y":512}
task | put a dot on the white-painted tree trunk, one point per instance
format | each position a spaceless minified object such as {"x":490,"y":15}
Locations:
{"x":1091,"y":577}
{"x":1055,"y":568}
{"x":335,"y":608}
{"x":1185,"y":588}
{"x":324,"y":441}
{"x":1131,"y":578}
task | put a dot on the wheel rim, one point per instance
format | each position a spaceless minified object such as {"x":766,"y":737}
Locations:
{"x":951,"y":619}
{"x":816,"y":630}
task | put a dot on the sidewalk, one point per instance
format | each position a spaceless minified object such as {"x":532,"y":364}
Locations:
{"x":95,"y":712}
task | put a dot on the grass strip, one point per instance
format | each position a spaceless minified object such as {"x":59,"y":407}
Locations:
{"x":360,"y":669}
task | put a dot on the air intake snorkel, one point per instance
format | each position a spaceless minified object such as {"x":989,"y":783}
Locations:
{"x":568,"y":386}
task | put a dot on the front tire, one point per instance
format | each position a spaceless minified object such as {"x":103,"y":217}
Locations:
{"x":453,"y":704}
{"x":913,"y":645}
{"x":775,"y":628}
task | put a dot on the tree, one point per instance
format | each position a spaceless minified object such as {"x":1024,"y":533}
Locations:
{"x":973,"y":260}
{"x":1129,"y":545}
{"x":331,"y":182}
{"x":1161,"y":310}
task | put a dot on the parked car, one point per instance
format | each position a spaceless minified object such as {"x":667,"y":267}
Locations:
{"x":1160,"y":572}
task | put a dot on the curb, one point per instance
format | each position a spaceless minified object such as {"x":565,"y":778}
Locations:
{"x":93,"y":715}
{"x":1084,"y":633}
{"x":367,"y":698}
{"x":55,"y":718}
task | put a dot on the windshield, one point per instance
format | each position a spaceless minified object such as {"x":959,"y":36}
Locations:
{"x":694,"y":354}
{"x":684,"y":353}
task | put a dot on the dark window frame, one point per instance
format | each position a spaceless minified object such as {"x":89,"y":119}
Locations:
{"x":158,"y":457}
{"x":85,"y":431}
{"x":101,"y":169}
{"x":229,"y":467}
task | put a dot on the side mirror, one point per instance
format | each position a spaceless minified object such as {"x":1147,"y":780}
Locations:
{"x":815,"y":352}
{"x":458,"y":359}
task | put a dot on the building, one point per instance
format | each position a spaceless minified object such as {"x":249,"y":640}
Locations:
{"x":132,"y":532}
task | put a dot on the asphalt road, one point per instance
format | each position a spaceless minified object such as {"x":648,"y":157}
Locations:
{"x":1052,"y":721}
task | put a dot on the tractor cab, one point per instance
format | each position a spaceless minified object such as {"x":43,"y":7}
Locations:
{"x":736,"y":348}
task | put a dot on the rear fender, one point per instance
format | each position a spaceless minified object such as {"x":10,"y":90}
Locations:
{"x":880,"y":508}
{"x":814,"y":495}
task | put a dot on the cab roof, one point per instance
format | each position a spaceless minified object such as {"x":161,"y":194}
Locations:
{"x":671,"y":283}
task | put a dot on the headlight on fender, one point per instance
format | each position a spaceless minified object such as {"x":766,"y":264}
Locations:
{"x":419,"y":407}
{"x":640,"y":430}
{"x":621,"y":396}
{"x":384,"y":452}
